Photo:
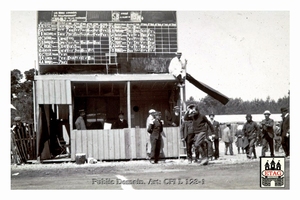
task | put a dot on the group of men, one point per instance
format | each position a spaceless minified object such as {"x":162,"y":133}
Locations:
{"x":251,"y":131}
{"x":120,"y":123}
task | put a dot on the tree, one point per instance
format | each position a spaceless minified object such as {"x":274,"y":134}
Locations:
{"x":22,"y":95}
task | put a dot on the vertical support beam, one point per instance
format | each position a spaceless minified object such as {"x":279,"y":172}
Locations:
{"x":35,"y":113}
{"x":71,"y":117}
{"x":128,"y":105}
{"x":180,"y":117}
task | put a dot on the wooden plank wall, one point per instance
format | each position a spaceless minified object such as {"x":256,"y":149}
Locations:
{"x":120,"y":144}
{"x":124,"y":144}
{"x":53,"y":92}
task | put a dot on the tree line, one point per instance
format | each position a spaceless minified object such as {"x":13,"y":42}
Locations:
{"x":22,"y":100}
{"x":238,"y":106}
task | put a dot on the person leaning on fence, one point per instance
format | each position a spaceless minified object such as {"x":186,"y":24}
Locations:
{"x":149,"y":121}
{"x":121,"y":122}
{"x":155,"y":129}
{"x":200,"y":123}
{"x":250,"y":131}
{"x":187,"y":132}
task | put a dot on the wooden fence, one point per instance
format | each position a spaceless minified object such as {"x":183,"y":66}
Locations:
{"x":23,"y":144}
{"x":126,"y":144}
{"x":121,"y":144}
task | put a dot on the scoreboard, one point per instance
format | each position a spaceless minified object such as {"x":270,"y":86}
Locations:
{"x":89,"y":37}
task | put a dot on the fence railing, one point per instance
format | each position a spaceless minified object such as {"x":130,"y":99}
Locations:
{"x":23,"y":144}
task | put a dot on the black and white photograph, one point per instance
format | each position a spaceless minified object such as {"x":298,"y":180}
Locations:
{"x":136,"y":98}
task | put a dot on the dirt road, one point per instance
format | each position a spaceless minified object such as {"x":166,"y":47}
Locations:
{"x":229,"y":172}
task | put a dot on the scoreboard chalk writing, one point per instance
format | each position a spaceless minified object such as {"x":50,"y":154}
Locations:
{"x":88,"y":37}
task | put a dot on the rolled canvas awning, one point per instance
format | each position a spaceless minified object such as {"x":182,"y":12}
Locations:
{"x":208,"y":90}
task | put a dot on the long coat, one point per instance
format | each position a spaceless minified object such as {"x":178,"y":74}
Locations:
{"x":285,"y":126}
{"x":239,"y":134}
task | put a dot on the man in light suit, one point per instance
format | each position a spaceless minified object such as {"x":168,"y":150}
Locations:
{"x":285,"y":131}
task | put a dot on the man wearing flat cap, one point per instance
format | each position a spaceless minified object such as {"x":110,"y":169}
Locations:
{"x":80,"y":123}
{"x":267,"y":135}
{"x":177,"y":67}
{"x":285,"y":131}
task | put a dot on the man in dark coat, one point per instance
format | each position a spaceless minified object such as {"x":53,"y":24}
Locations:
{"x":187,"y":133}
{"x":285,"y":131}
{"x":267,"y":134}
{"x":251,"y":131}
{"x":200,"y":124}
{"x":215,"y":138}
{"x":121,"y":122}
{"x":156,"y":129}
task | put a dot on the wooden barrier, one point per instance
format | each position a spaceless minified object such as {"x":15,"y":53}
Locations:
{"x":23,"y":144}
{"x":121,"y":144}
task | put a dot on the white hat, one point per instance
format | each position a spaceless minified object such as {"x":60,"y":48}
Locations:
{"x":151,"y":111}
{"x":267,"y":112}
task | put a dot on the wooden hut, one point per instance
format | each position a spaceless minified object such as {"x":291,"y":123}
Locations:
{"x":104,"y":62}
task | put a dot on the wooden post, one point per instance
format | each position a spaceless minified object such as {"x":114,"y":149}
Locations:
{"x":128,"y":105}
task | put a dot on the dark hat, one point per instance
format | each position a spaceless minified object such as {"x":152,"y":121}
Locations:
{"x":157,"y":113}
{"x":248,"y":115}
{"x":121,"y":113}
{"x":228,"y":124}
{"x":81,"y":111}
{"x":211,"y":115}
{"x":178,"y":53}
{"x":284,"y":109}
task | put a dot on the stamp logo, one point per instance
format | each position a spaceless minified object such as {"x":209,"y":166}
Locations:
{"x":272,"y":172}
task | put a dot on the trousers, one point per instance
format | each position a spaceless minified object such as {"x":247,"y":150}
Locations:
{"x":267,"y":140}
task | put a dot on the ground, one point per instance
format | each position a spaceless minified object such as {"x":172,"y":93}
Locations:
{"x":228,"y":172}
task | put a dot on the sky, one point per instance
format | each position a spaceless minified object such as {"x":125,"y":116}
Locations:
{"x":241,"y":53}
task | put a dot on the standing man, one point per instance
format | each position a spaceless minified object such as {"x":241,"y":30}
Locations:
{"x":155,"y":130}
{"x":121,"y":122}
{"x":149,"y":121}
{"x":267,"y":134}
{"x":200,"y":123}
{"x":251,"y":131}
{"x":80,"y":123}
{"x":277,"y":137}
{"x":285,"y":131}
{"x":228,"y":139}
{"x":187,"y":132}
{"x":177,"y":67}
{"x":215,"y":138}
{"x":172,"y":119}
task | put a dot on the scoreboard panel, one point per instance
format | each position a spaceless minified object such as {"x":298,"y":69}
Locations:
{"x":89,"y":37}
